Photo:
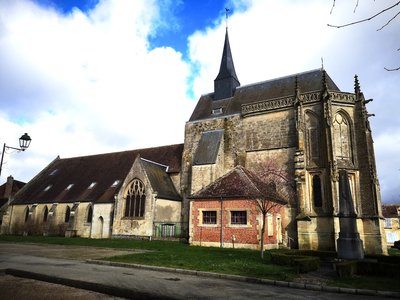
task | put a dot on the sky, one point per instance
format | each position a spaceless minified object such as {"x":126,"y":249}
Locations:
{"x":84,"y":77}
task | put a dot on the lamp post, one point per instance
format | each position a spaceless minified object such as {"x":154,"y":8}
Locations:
{"x":24,"y":142}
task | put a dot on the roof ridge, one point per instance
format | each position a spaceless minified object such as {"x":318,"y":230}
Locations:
{"x":278,"y":78}
{"x":120,"y":152}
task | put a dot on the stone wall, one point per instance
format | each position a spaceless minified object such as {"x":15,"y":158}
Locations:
{"x":55,"y":223}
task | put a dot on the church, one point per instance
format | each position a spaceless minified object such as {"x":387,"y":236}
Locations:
{"x":281,"y":142}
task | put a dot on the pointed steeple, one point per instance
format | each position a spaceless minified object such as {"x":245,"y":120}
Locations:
{"x":226,"y":81}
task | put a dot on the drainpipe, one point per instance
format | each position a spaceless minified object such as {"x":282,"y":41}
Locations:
{"x":222,"y":229}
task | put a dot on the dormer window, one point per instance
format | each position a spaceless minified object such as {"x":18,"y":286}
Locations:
{"x":47,"y":188}
{"x":69,"y":187}
{"x":217,"y":111}
{"x":53,"y":172}
{"x":92,"y":185}
{"x":115,"y":183}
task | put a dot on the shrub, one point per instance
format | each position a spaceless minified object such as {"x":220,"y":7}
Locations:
{"x":306,"y":264}
{"x":346,"y":268}
{"x":365,"y":267}
{"x":302,"y":264}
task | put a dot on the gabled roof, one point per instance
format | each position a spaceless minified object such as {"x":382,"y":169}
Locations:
{"x":95,"y":178}
{"x":310,"y":81}
{"x":160,"y":181}
{"x":238,"y":183}
{"x":391,"y":210}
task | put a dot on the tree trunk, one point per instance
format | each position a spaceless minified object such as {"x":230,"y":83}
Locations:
{"x":262,"y":235}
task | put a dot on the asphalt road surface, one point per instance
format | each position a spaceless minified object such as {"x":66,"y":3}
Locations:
{"x":66,"y":265}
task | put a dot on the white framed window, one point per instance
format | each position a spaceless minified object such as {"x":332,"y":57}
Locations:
{"x":388,"y":223}
{"x":238,"y":217}
{"x":209,"y":217}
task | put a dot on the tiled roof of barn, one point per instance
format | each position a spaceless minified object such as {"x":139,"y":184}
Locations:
{"x":94,"y":178}
{"x":160,"y":181}
{"x":238,"y":183}
{"x":390,"y":210}
{"x":310,"y":81}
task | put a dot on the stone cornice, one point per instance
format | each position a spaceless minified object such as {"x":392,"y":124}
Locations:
{"x":284,"y":102}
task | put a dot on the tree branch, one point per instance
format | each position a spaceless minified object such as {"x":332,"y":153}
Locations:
{"x":364,"y":20}
{"x":389,"y":21}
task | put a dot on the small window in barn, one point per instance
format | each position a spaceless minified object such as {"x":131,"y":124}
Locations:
{"x":26,"y":214}
{"x":115,"y":183}
{"x":67,"y":214}
{"x":45,"y":214}
{"x":209,"y":217}
{"x":388,"y":223}
{"x":47,"y":188}
{"x":92,"y":185}
{"x":53,"y":172}
{"x":89,"y":214}
{"x":239,"y":217}
{"x":69,"y":187}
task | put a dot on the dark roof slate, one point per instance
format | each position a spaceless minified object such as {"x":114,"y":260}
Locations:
{"x":160,"y":180}
{"x":107,"y":171}
{"x":207,"y":151}
{"x":390,"y":210}
{"x":238,"y":183}
{"x":310,"y":81}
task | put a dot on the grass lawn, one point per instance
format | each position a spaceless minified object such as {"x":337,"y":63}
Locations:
{"x":220,"y":260}
{"x":178,"y":255}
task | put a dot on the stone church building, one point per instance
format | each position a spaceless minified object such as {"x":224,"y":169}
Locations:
{"x":302,"y":128}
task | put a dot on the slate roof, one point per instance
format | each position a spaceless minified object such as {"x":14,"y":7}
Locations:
{"x":390,"y":210}
{"x":160,"y":181}
{"x":310,"y":81}
{"x":105,"y":171}
{"x":238,"y":183}
{"x":207,"y":151}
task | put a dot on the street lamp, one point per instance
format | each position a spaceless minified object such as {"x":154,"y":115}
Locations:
{"x":24,"y":142}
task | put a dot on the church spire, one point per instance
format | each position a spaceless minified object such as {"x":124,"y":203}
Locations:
{"x":226,"y":81}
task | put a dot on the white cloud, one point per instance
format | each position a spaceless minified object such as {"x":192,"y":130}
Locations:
{"x":278,"y":38}
{"x":88,"y":83}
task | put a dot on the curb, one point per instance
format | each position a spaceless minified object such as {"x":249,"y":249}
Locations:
{"x":296,"y":285}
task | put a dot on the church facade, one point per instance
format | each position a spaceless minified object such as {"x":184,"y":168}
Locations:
{"x":301,"y":128}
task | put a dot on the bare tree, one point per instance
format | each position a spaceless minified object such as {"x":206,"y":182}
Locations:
{"x":279,"y":190}
{"x":393,"y":9}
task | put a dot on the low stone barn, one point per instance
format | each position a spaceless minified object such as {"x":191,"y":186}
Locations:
{"x":227,"y":213}
{"x":130,"y":193}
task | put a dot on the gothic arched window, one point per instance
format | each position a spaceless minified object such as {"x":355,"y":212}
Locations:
{"x":341,"y":127}
{"x":45,"y":213}
{"x":317,"y":191}
{"x":26,"y":213}
{"x":135,"y":199}
{"x":67,"y":214}
{"x":312,"y":137}
{"x":89,"y":214}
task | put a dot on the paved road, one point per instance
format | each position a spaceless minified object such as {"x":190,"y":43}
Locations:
{"x":39,"y":262}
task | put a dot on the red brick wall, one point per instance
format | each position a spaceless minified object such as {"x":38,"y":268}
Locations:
{"x":244,"y":234}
